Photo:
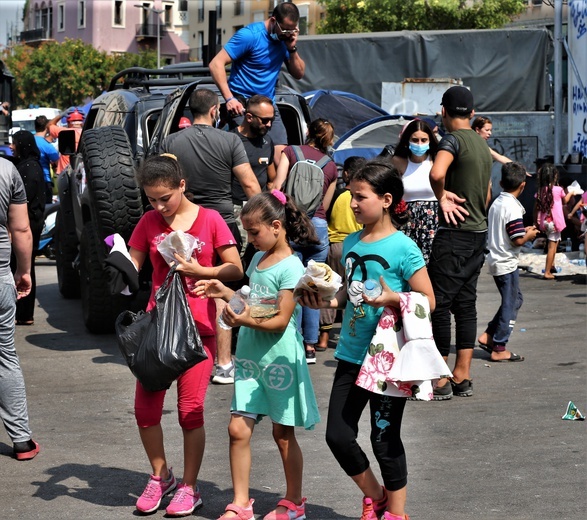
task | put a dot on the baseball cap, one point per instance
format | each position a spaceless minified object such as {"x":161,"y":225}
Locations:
{"x":75,"y":116}
{"x":184,"y":122}
{"x":458,"y":99}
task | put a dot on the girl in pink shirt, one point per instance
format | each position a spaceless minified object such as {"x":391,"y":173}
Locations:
{"x":549,"y":215}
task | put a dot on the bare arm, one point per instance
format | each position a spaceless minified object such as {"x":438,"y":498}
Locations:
{"x":502,"y":159}
{"x":22,"y":246}
{"x":137,"y":257}
{"x":295,"y":65}
{"x":278,"y":323}
{"x":328,"y":196}
{"x":271,"y":174}
{"x":282,"y":169}
{"x":448,"y":201}
{"x":218,"y":72}
{"x":531,"y":233}
{"x":244,"y":174}
{"x":229,"y":270}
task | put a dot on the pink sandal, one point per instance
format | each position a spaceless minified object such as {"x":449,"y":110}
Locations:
{"x":294,"y":511}
{"x":242,"y":513}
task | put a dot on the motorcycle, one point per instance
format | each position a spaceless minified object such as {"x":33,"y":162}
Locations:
{"x":47,"y":241}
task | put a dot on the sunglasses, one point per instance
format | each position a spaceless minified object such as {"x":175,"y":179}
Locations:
{"x":287,"y":33}
{"x":264,"y":120}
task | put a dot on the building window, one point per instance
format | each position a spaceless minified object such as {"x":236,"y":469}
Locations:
{"x":81,"y":14}
{"x":201,"y":11}
{"x":168,"y":15}
{"x":218,"y":9}
{"x":118,"y":13}
{"x":61,"y":17}
{"x":183,"y":5}
{"x":303,"y":23}
{"x":537,"y":3}
{"x":258,"y":16}
{"x":200,"y":47}
{"x":218,"y":38}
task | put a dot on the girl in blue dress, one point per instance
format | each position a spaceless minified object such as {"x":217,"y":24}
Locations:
{"x":271,"y":373}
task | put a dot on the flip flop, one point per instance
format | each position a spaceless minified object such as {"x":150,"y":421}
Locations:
{"x":486,"y":348}
{"x":513,"y":358}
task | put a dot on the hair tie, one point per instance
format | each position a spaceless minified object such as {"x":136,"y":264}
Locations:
{"x":280,"y":196}
{"x":401,"y":207}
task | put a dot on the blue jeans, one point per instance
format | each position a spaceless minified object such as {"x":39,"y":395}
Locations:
{"x":455,"y":263}
{"x":502,"y":324}
{"x":13,"y":403}
{"x":309,"y":319}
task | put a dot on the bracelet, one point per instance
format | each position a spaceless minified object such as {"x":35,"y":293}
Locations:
{"x":230,"y":99}
{"x":293,"y":49}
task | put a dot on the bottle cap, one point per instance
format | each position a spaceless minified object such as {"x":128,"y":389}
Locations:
{"x":369,"y":285}
{"x":245,"y":290}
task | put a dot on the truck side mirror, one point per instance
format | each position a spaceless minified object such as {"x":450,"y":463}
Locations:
{"x":67,"y":142}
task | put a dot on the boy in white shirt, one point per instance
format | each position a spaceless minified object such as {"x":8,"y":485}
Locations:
{"x":505,"y":238}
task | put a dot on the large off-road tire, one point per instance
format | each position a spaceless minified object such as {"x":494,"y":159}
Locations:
{"x":66,"y":252}
{"x":100,"y":308}
{"x":114,"y":196}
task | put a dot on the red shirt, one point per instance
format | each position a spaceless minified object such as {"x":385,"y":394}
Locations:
{"x":210,"y":231}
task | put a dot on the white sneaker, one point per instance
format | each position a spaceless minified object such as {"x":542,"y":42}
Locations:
{"x":224,"y":376}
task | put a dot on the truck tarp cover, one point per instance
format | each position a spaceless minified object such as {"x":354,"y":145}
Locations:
{"x":506,"y":69}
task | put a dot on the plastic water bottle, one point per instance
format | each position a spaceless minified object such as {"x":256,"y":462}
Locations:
{"x":568,"y":246}
{"x":372,"y":288}
{"x":582,"y":250}
{"x":237,"y":304}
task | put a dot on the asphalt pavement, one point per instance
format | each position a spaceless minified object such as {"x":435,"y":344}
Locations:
{"x":504,"y":453}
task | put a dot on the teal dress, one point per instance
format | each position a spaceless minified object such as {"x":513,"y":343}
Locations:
{"x":271,"y":373}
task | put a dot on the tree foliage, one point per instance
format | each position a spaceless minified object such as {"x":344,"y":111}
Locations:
{"x":354,"y":16}
{"x":65,"y":74}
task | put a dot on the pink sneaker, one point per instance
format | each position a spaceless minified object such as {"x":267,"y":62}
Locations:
{"x":390,"y":516}
{"x":373,"y":509}
{"x":185,"y":501}
{"x":294,"y":512}
{"x":156,"y":489}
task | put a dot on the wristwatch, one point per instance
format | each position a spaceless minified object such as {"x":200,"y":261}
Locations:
{"x":293,"y":49}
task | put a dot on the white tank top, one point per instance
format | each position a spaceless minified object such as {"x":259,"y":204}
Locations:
{"x":417,"y":181}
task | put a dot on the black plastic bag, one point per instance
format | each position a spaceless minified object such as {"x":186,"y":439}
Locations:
{"x":163,"y":343}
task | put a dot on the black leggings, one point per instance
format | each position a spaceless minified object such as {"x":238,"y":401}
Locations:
{"x":347,"y":402}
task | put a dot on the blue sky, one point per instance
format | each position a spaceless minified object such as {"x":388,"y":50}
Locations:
{"x":10,"y":14}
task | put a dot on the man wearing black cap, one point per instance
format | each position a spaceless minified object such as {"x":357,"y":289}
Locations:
{"x":460,"y":179}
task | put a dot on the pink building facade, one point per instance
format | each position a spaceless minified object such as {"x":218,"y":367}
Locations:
{"x":113,"y":26}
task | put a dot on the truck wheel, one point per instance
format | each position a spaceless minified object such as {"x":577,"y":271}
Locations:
{"x":115,"y":199}
{"x":100,"y":308}
{"x":65,"y":255}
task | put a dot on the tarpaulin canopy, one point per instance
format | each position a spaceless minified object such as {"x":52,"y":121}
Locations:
{"x":506,"y":69}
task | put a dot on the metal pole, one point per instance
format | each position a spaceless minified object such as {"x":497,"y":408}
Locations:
{"x":158,"y":38}
{"x":558,"y":78}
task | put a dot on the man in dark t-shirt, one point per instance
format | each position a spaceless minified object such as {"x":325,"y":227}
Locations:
{"x":460,"y":180}
{"x":258,"y":117}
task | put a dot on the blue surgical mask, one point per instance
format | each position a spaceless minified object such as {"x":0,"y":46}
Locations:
{"x":419,"y":149}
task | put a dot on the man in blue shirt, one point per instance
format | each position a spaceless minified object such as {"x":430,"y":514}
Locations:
{"x":48,"y":155}
{"x":257,"y":52}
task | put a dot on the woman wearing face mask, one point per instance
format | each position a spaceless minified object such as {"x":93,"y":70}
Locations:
{"x":413,"y":158}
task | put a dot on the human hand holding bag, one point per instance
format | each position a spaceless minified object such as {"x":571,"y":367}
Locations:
{"x":163,"y":343}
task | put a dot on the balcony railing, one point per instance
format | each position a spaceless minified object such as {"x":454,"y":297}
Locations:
{"x":35,"y":35}
{"x":149,"y":30}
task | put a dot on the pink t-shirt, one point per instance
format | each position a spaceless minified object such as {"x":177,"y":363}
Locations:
{"x":558,"y":194}
{"x":210,"y":231}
